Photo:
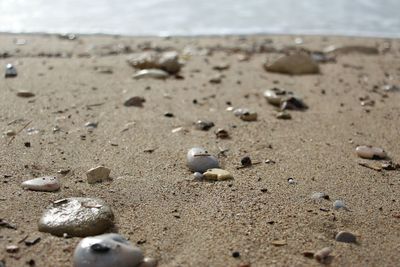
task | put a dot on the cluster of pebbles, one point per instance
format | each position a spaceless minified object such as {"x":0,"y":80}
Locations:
{"x":92,"y":217}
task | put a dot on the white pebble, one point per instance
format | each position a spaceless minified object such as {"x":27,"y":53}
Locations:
{"x":46,"y":183}
{"x":370,"y":152}
{"x":198,"y":160}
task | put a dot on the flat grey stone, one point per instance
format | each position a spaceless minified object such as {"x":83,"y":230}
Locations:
{"x":77,"y":216}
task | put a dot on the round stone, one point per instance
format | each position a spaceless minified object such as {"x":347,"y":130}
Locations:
{"x":77,"y":216}
{"x":46,"y":183}
{"x":345,"y":237}
{"x":198,"y":160}
{"x":106,"y":250}
{"x":370,"y":152}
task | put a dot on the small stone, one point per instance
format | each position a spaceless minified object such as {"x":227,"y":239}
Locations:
{"x":339,"y":204}
{"x":27,"y":144}
{"x":221,"y":66}
{"x":245,"y":114}
{"x":77,"y":216}
{"x":236,"y":254}
{"x":168,"y":115}
{"x":222,"y":133}
{"x":135,"y":101}
{"x":198,"y":160}
{"x":370,"y":152}
{"x":147,"y":60}
{"x":151,"y":73}
{"x":32,"y":241}
{"x":319,"y":195}
{"x":169,"y":61}
{"x":10,"y":133}
{"x":279,"y":243}
{"x":46,"y":183}
{"x":345,"y":237}
{"x":98,"y":174}
{"x":198,"y":176}
{"x":276,"y":96}
{"x":293,"y":103}
{"x":308,"y":254}
{"x":215,"y":79}
{"x":323,"y":254}
{"x":25,"y":94}
{"x":204,"y":125}
{"x":295,"y":64}
{"x":283,"y":115}
{"x":216,"y":174}
{"x":11,"y":71}
{"x":12,"y":249}
{"x":291,"y":180}
{"x":361,"y":49}
{"x":246,"y":161}
{"x":105,"y":251}
{"x":91,"y":125}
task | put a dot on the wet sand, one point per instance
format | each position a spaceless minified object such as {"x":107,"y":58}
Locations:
{"x":156,"y":203}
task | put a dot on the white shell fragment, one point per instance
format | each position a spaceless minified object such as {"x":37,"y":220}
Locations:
{"x":107,"y":250}
{"x":46,"y":183}
{"x":77,"y":216}
{"x":294,"y":64}
{"x":151,"y":73}
{"x":198,"y":160}
{"x":216,"y":174}
{"x":370,"y":152}
{"x":97,"y":174}
{"x":11,"y":71}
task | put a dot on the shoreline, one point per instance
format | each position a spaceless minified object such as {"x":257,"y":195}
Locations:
{"x":257,"y":219}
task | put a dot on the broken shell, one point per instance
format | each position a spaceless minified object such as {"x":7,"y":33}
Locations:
{"x":222,"y":133}
{"x":276,"y":96}
{"x":216,"y":174}
{"x":105,"y":251}
{"x":97,"y":174}
{"x":295,"y":64}
{"x":46,"y":183}
{"x":151,"y":73}
{"x":370,"y":152}
{"x":198,"y":160}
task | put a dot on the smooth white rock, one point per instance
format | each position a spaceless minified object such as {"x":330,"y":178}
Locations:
{"x":107,"y":250}
{"x":370,"y":152}
{"x":198,"y":160}
{"x":46,"y":183}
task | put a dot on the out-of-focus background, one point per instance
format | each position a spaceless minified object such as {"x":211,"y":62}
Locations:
{"x":194,"y":17}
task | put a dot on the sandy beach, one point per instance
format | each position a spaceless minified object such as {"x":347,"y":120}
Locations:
{"x":157,"y":204}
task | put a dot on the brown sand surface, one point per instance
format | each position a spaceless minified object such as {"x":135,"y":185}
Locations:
{"x":157,"y":204}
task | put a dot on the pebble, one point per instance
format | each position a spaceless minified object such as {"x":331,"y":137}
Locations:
{"x":245,"y":114}
{"x":293,"y":103}
{"x":339,"y":204}
{"x":169,"y":61}
{"x":283,"y":115}
{"x":222,"y":133}
{"x":370,"y":152}
{"x":319,"y":195}
{"x":367,"y":50}
{"x":216,"y":174}
{"x":291,"y":180}
{"x":10,"y":133}
{"x":216,"y":79}
{"x":246,"y":161}
{"x":151,"y":73}
{"x":198,"y":160}
{"x":323,"y":254}
{"x":11,"y":71}
{"x":77,"y":216}
{"x":204,"y":125}
{"x":221,"y":66}
{"x":345,"y":237}
{"x":91,"y":125}
{"x":276,"y":96}
{"x":26,"y":94}
{"x":107,"y":250}
{"x":97,"y":174}
{"x":146,"y":60}
{"x":12,"y":248}
{"x":135,"y":101}
{"x":46,"y":183}
{"x":295,"y":64}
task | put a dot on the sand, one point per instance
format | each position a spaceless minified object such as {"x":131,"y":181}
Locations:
{"x":157,"y":204}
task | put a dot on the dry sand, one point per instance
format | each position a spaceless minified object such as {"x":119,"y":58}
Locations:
{"x":155,"y":200}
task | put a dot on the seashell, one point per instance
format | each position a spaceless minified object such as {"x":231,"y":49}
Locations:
{"x":198,"y":160}
{"x":46,"y":183}
{"x":107,"y":250}
{"x":151,"y":73}
{"x":370,"y":152}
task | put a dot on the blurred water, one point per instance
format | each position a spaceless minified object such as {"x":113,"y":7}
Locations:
{"x":196,"y":17}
